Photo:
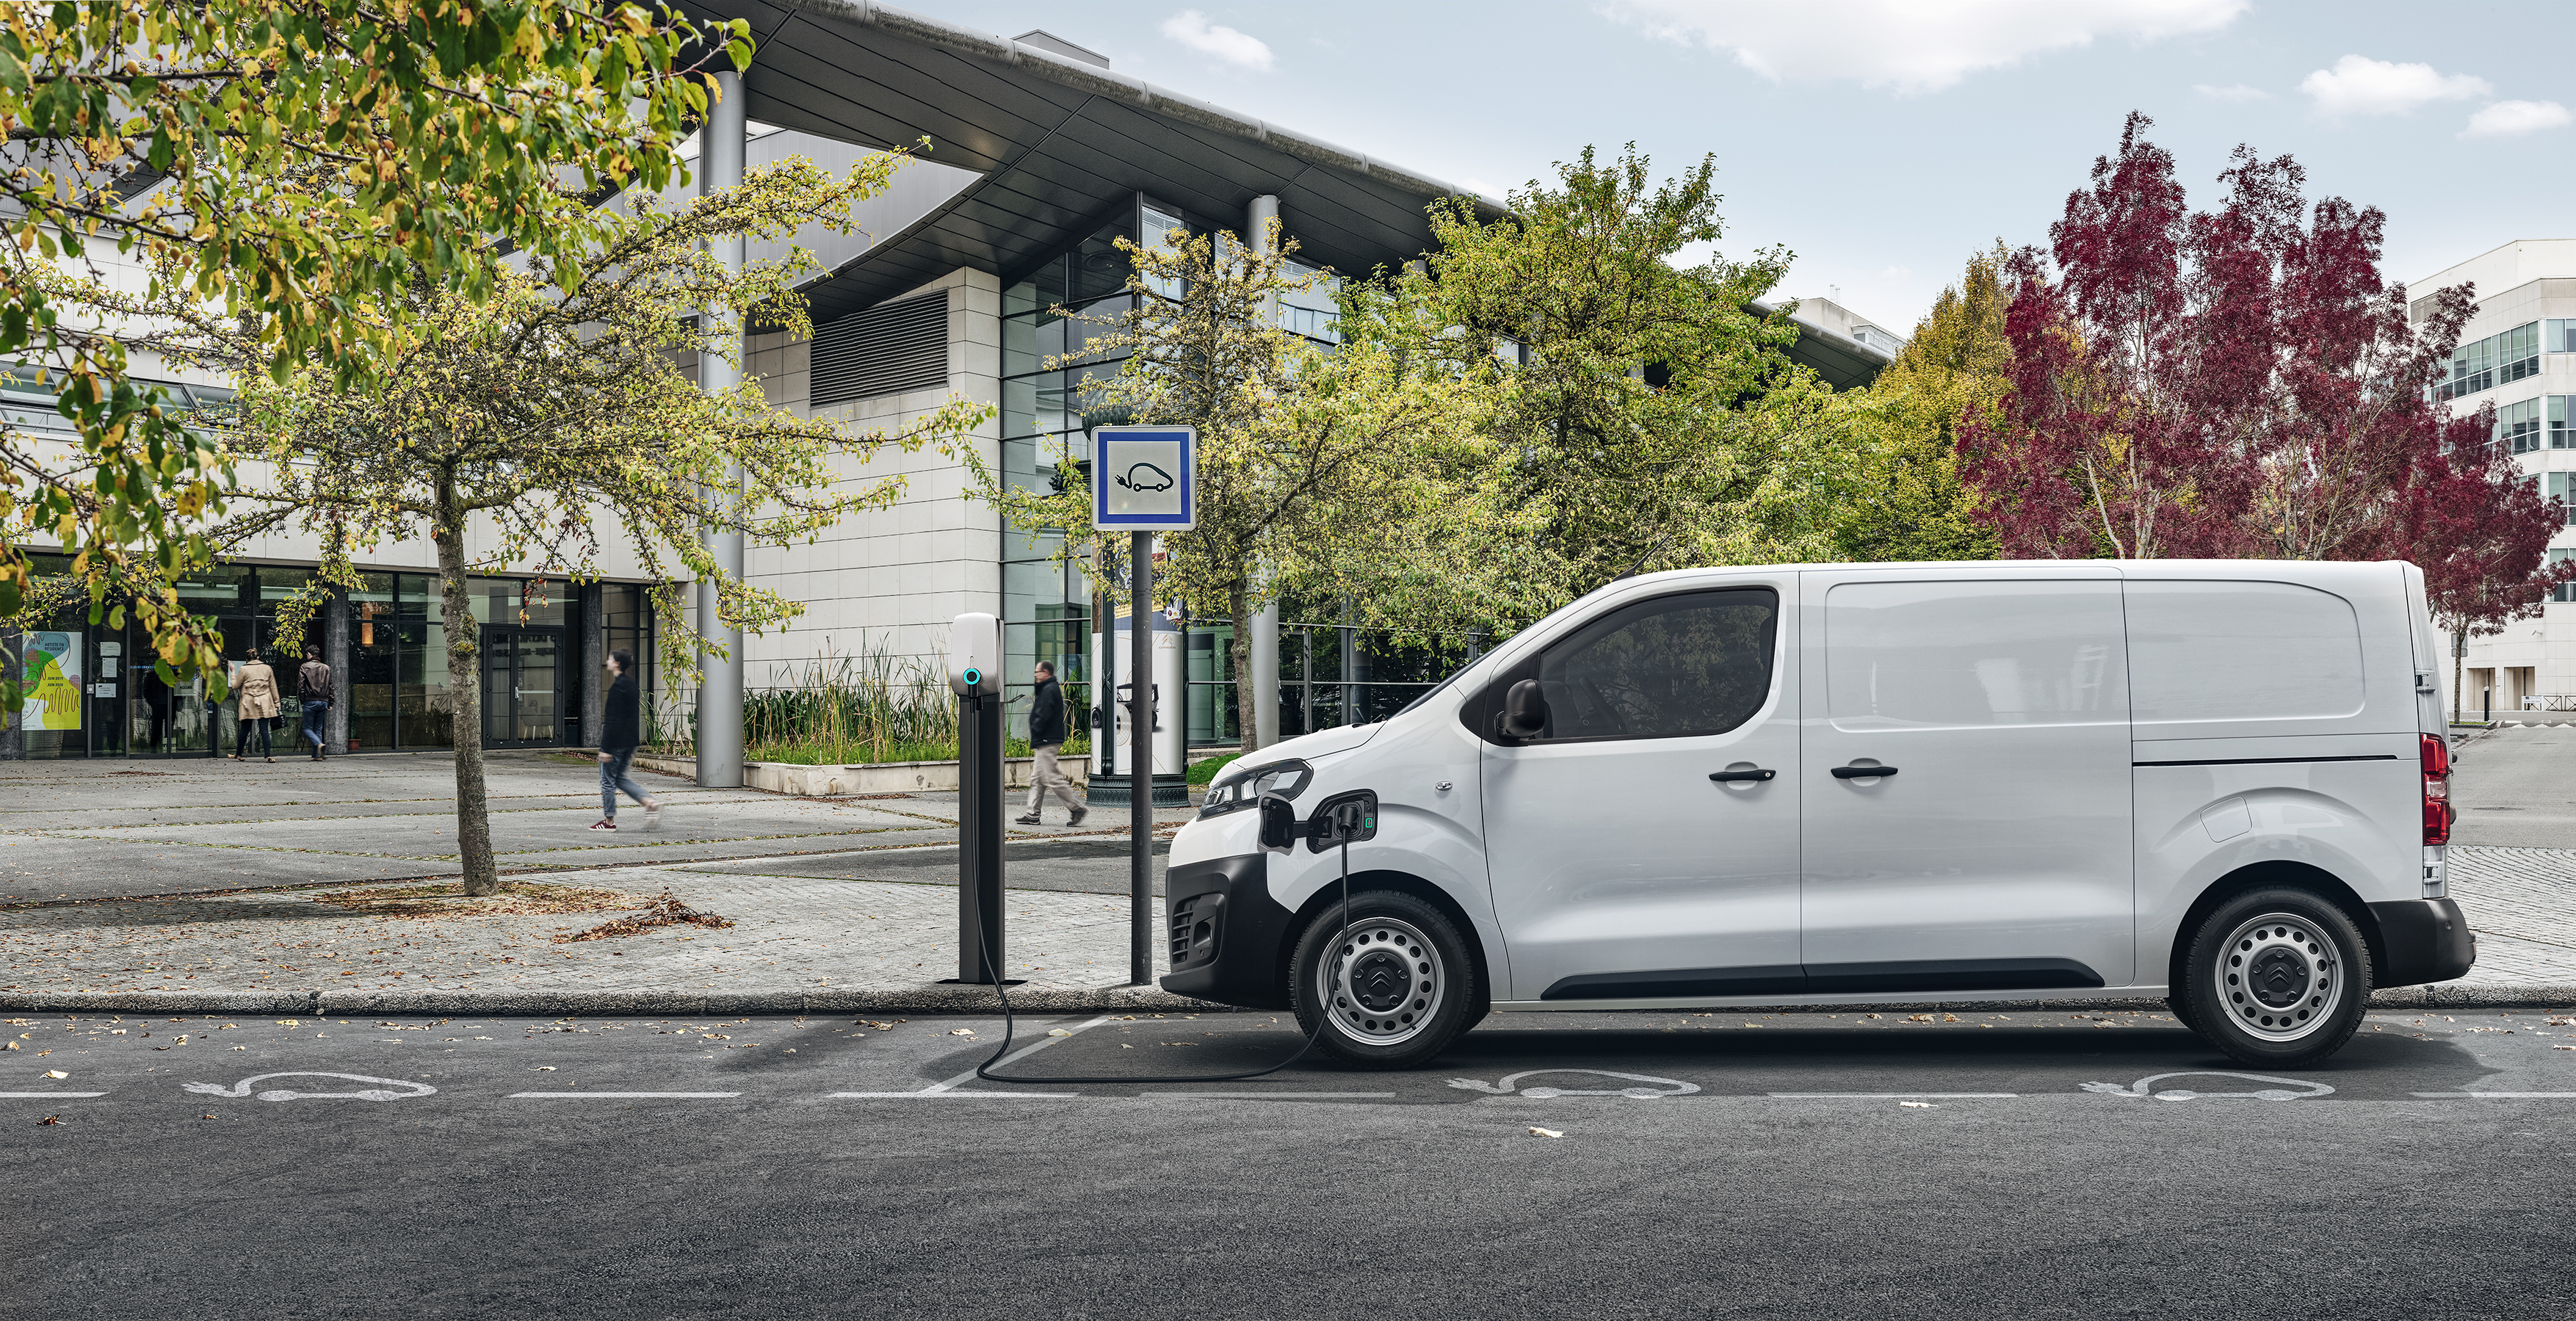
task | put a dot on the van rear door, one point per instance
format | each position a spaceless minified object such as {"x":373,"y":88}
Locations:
{"x":1995,"y":854}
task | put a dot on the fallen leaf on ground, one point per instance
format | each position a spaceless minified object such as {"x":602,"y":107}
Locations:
{"x":1059,"y":1032}
{"x":56,"y":1073}
{"x":50,"y":1119}
{"x":663,"y":911}
{"x":545,"y":1068}
{"x":1537,"y":1132}
{"x":1918,"y":1105}
{"x":961,"y":1032}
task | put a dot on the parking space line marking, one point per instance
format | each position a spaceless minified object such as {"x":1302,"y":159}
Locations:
{"x":1276,"y":1096}
{"x":2498,"y":1096}
{"x":30,"y":1096}
{"x":939,"y":1088}
{"x":667,"y":1096}
{"x":950,"y":1096}
{"x":1889,"y":1096}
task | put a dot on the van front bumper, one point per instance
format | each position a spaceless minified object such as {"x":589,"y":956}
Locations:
{"x":2422,"y":940}
{"x":1226,"y":936}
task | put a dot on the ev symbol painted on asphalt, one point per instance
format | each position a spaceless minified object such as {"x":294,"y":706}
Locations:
{"x":2147,"y":1087}
{"x":1660,"y":1086}
{"x":243,"y":1088}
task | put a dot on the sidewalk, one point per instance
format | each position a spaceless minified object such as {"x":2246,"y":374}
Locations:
{"x":877,"y":938}
{"x":839,"y":905}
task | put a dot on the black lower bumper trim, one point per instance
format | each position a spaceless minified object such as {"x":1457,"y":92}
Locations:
{"x":2422,"y":940}
{"x":1226,"y":932}
{"x":1831,"y":979}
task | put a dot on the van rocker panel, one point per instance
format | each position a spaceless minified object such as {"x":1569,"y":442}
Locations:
{"x":1834,"y":979}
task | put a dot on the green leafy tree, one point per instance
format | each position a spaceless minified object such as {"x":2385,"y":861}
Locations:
{"x":1296,"y":445}
{"x":1642,"y":416}
{"x":550,"y":417}
{"x":1907,"y":502}
{"x":295,"y":165}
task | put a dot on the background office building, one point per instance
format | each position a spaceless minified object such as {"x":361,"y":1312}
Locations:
{"x":1042,"y":157}
{"x":2519,"y":353}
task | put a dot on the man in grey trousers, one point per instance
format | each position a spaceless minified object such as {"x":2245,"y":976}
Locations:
{"x":1046,"y":736}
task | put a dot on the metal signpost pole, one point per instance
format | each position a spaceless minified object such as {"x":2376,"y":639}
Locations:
{"x":1142,"y":482}
{"x":1140,"y":763}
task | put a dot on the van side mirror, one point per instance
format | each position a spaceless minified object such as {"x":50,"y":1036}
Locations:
{"x":1278,"y":824}
{"x":1525,"y":711}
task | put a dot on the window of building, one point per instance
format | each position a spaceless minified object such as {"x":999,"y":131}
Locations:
{"x":2558,"y":486}
{"x":2517,"y":426}
{"x":2493,"y":361}
{"x":2560,"y":437}
{"x":2558,"y":335}
{"x":2563,"y":592}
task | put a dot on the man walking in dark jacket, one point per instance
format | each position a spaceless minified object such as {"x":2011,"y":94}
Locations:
{"x":313,"y":689}
{"x":1046,"y":735}
{"x":618,"y":735}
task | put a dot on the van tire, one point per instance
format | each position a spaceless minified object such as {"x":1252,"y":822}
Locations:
{"x":1400,"y":987}
{"x":2276,"y":978}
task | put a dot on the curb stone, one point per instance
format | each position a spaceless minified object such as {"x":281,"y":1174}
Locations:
{"x":981,"y":1000}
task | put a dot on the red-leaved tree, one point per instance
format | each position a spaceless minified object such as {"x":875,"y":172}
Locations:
{"x":2241,"y":382}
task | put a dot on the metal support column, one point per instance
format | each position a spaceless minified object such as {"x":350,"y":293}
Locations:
{"x":723,"y":141}
{"x":1263,"y":645}
{"x":335,"y":653}
{"x":1140,"y":798}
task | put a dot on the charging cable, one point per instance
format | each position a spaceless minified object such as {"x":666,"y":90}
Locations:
{"x":1344,"y":830}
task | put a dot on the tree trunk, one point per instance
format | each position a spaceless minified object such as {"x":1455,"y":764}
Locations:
{"x":1247,"y":703}
{"x":2459,"y":657}
{"x":465,"y":713}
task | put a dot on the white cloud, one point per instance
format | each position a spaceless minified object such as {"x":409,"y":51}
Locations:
{"x":1911,"y":46}
{"x":1191,"y":28}
{"x":2506,"y":119}
{"x":2232,"y":92}
{"x":2358,"y":85}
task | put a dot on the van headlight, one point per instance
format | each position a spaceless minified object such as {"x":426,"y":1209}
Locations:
{"x":1239,"y":789}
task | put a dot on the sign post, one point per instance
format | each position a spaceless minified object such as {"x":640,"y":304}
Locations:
{"x":1144,"y":480}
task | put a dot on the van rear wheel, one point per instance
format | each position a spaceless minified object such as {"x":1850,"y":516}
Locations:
{"x":1390,"y":991}
{"x":2277,"y":978}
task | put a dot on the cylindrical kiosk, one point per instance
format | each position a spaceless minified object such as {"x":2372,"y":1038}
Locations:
{"x":1168,"y":741}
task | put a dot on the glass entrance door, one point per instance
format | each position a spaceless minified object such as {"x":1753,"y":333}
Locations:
{"x":522,"y":689}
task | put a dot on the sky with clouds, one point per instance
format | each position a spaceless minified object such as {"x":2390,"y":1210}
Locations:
{"x":1882,"y":141}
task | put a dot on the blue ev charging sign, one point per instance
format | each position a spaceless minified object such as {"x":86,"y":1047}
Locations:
{"x":1144,"y":479}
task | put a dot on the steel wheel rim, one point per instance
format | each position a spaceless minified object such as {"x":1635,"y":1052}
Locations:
{"x":1381,"y":982}
{"x":2278,"y":977}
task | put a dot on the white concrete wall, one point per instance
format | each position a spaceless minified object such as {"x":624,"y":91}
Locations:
{"x":891,"y":578}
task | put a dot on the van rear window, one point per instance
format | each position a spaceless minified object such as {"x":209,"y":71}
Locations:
{"x":2241,"y":651}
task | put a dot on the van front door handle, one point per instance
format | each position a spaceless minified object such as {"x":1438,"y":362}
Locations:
{"x":1862,"y":772}
{"x":1723,"y":777}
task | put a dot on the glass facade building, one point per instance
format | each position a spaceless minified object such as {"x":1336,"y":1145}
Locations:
{"x":1330,"y":673}
{"x":92,"y":690}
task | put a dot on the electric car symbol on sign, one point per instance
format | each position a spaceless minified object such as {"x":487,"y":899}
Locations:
{"x":2221,"y":782}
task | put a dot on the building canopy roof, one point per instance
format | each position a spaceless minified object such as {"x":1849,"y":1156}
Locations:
{"x":1060,"y":144}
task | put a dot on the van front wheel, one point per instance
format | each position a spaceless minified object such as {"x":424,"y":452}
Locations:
{"x":1389,"y":991}
{"x":2276,"y":978}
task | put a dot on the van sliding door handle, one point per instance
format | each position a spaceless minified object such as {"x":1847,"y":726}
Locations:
{"x":1723,"y":777}
{"x":1862,"y":772}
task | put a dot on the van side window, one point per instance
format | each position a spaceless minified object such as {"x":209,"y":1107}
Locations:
{"x":1697,"y":663}
{"x":1963,"y":655}
{"x":2242,"y":651}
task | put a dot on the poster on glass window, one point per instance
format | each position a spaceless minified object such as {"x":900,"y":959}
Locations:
{"x":53,"y":678}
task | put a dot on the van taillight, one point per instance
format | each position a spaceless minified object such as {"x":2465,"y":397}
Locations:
{"x":2437,"y":789}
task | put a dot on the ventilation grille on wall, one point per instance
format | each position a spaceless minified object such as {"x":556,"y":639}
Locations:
{"x":887,"y":349}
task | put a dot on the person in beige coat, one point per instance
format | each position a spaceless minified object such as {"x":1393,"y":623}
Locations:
{"x":256,"y":685}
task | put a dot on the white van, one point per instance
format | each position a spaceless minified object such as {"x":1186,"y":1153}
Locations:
{"x":2220,"y":782}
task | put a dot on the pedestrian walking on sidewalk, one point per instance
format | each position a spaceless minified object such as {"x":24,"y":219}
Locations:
{"x":618,"y":737}
{"x":313,"y":689}
{"x":1046,"y":737}
{"x":257,"y":685}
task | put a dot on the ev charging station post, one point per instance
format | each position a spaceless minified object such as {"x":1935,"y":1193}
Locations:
{"x":1144,"y":480}
{"x":974,"y":674}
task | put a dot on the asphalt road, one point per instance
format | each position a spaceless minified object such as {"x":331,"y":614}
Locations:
{"x":2048,"y":1165}
{"x":2508,"y":784}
